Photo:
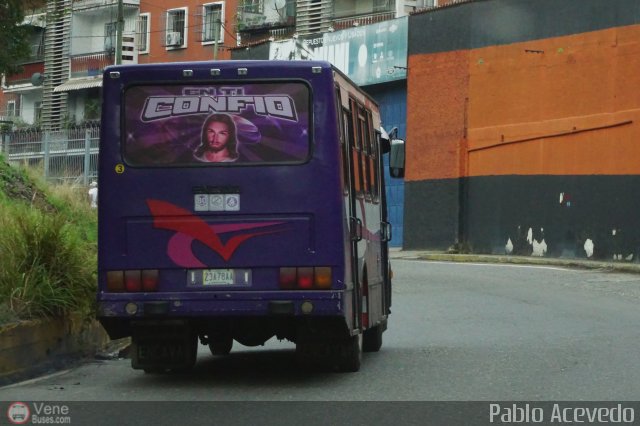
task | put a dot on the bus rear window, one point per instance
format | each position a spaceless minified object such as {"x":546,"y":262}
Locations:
{"x":209,"y":124}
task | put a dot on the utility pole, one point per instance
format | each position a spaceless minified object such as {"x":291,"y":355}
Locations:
{"x":119,"y":31}
{"x":216,"y":34}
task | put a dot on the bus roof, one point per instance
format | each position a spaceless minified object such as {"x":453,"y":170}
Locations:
{"x":268,"y":68}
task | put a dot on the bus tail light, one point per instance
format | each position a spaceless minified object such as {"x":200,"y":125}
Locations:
{"x":149,"y":280}
{"x":132,"y":281}
{"x":115,"y":281}
{"x":287,"y":278}
{"x":305,"y":278}
{"x":322,"y":277}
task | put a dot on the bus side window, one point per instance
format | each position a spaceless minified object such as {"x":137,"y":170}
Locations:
{"x":354,"y":143}
{"x":366,"y":150}
{"x":343,"y":133}
{"x":374,"y":160}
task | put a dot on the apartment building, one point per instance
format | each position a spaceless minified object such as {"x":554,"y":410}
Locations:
{"x":20,"y":100}
{"x":74,"y":40}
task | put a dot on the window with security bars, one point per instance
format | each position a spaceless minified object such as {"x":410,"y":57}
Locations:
{"x":11,"y":109}
{"x":175,"y":35}
{"x":212,"y":22}
{"x":252,"y":6}
{"x":383,"y":5}
{"x":37,"y":112}
{"x":110,"y":30}
{"x":142,"y":33}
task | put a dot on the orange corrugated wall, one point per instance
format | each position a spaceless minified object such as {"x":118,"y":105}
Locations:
{"x":558,"y":106}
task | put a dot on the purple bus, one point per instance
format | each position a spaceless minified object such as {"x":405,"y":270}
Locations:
{"x":241,"y":200}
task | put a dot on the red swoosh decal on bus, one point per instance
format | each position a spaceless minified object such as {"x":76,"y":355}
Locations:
{"x":172,"y":218}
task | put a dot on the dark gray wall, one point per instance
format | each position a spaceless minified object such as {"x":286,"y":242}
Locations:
{"x":431,"y":213}
{"x":601,"y":208}
{"x":494,"y":22}
{"x":498,"y":208}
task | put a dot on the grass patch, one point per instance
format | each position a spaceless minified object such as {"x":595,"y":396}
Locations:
{"x":71,"y":201}
{"x":48,"y":253}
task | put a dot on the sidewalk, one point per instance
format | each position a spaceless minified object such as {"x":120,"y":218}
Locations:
{"x":617,"y":266}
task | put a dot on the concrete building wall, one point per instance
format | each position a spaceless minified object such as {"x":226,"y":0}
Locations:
{"x":522,"y":122}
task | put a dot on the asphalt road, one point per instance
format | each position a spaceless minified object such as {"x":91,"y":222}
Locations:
{"x":458,"y":332}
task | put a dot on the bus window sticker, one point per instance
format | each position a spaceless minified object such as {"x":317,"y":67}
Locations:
{"x":191,"y":125}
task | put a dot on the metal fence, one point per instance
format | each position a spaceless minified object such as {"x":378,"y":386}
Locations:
{"x":69,"y":155}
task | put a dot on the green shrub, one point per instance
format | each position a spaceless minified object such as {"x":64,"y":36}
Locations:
{"x":47,"y":264}
{"x":73,"y":203}
{"x":70,"y":200}
{"x":48,"y":252}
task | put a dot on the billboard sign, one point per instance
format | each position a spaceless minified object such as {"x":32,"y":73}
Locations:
{"x":368,"y":54}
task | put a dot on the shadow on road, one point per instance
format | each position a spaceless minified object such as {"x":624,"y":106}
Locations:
{"x":252,"y":368}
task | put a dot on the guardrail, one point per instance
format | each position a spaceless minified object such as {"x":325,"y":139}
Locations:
{"x":353,"y":21}
{"x":90,"y":64}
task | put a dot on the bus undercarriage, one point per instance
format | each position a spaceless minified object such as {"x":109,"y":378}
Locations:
{"x":163,"y":345}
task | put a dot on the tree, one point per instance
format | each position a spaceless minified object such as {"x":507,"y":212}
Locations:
{"x":15,"y":36}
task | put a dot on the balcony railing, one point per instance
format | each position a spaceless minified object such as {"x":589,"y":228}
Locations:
{"x":92,"y":4}
{"x":354,"y":21}
{"x":90,"y":64}
{"x":24,"y":76}
{"x":250,"y":18}
{"x":37,"y":53}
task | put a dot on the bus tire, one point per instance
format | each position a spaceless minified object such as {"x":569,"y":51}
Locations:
{"x":304,"y":355}
{"x":350,"y":354}
{"x":191,"y":345}
{"x":372,"y":339}
{"x":221,"y":346}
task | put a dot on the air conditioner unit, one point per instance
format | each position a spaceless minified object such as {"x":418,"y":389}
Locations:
{"x":174,"y":39}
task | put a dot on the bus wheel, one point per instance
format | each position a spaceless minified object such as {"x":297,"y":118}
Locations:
{"x":372,"y":339}
{"x":191,"y":346}
{"x":221,"y":346}
{"x":304,"y":355}
{"x":350,"y":354}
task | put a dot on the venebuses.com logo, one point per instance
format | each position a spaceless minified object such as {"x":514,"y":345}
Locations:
{"x":18,"y":413}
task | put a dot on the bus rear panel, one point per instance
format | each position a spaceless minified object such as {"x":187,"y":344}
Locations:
{"x":229,"y":212}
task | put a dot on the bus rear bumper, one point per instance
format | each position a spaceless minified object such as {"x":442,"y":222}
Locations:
{"x":123,"y":305}
{"x":272,"y":314}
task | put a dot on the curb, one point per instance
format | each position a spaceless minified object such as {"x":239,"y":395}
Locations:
{"x":31,"y":348}
{"x":621,"y":266}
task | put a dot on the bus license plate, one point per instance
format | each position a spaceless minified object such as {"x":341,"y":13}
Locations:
{"x":218,"y":276}
{"x":166,"y":353}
